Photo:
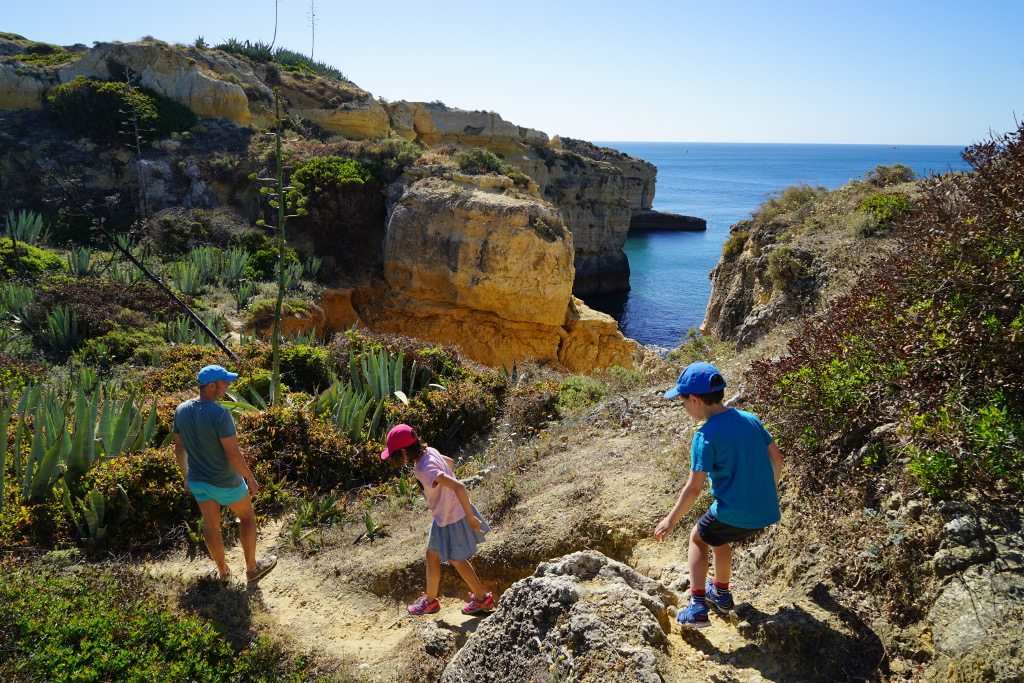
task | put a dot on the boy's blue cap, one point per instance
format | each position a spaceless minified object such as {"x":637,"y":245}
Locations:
{"x":214,"y":373}
{"x":696,"y":379}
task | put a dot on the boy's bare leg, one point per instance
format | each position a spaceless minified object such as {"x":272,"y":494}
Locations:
{"x":433,"y":574}
{"x":246,"y":531}
{"x":698,"y":560}
{"x":468,"y":574}
{"x":723,"y":562}
{"x":210,"y":510}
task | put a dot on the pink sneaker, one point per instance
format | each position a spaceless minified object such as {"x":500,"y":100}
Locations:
{"x":476,"y":605}
{"x":424,"y":606}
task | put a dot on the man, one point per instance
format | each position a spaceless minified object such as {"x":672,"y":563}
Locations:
{"x":206,"y":448}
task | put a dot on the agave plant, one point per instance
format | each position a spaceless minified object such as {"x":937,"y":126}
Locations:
{"x":236,"y":260}
{"x":187,"y":278}
{"x":381,"y":375}
{"x":350,"y":408}
{"x":312,"y":266}
{"x":292,"y":275}
{"x":94,"y":525}
{"x":243,"y":295}
{"x":15,"y":299}
{"x":27,"y":227}
{"x":180,"y":330}
{"x":62,"y":329}
{"x":206,"y":262}
{"x":80,"y":262}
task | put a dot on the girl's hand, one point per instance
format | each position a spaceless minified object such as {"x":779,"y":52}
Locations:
{"x":474,"y":523}
{"x":664,"y":528}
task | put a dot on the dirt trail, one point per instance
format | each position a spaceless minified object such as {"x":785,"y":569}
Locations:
{"x":601,"y":483}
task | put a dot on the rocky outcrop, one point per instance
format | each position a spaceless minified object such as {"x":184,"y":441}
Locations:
{"x":19,"y":90}
{"x":435,"y":124}
{"x":598,"y":190}
{"x":659,"y":221}
{"x":491,"y":273}
{"x":582,"y":617}
{"x":198,"y":79}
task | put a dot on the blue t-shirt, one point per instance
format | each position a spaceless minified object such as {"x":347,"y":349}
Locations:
{"x":732,"y":447}
{"x":202,"y":424}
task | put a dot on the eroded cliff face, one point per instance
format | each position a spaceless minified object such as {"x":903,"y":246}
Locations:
{"x":491,"y":273}
{"x":472,"y":261}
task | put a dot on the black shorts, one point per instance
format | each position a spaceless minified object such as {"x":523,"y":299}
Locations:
{"x":717,"y":533}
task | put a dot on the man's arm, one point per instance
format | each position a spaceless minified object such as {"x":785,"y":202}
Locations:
{"x":457,"y":486}
{"x":687,"y":497}
{"x":776,"y":457}
{"x":181,"y":456}
{"x":237,"y":462}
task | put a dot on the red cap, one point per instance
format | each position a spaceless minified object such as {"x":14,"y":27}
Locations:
{"x":400,"y":436}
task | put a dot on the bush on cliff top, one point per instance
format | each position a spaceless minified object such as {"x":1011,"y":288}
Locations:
{"x":931,"y":342}
{"x":101,"y":109}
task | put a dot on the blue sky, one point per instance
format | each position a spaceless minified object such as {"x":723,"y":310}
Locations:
{"x":872,"y":71}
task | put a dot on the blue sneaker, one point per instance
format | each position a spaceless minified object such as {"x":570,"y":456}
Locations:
{"x":721,"y":599}
{"x":694,"y":616}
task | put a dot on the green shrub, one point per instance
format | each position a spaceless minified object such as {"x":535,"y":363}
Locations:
{"x":260,"y":313}
{"x":448,"y":417}
{"x":886,"y":207}
{"x":390,"y":157}
{"x":179,"y":366}
{"x":479,"y":161}
{"x":122,"y":345}
{"x":178,"y":231}
{"x":16,"y":374}
{"x":97,"y":109}
{"x":784,"y":268}
{"x":329,"y":174}
{"x":794,"y":200}
{"x":578,"y":392}
{"x":263,"y":250}
{"x":83,"y":625}
{"x":881,"y":175}
{"x":31,"y":260}
{"x":290,"y":443}
{"x":735,"y":244}
{"x":531,"y":404}
{"x":158,"y":501}
{"x":306,"y":368}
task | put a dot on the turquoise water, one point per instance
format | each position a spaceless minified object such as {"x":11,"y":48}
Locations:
{"x":723,"y":183}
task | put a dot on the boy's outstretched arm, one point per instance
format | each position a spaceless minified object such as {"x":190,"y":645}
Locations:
{"x":460,"y":493}
{"x":776,"y":457}
{"x":691,"y":490}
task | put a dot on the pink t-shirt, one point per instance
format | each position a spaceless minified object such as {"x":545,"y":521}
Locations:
{"x":442,"y":500}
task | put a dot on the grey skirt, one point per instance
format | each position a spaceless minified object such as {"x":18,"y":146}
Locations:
{"x":457,"y":541}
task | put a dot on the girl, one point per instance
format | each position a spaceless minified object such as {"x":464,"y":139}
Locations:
{"x":457,"y":526}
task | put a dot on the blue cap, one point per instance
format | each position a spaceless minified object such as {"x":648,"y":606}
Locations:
{"x":697,"y":378}
{"x":215,"y":373}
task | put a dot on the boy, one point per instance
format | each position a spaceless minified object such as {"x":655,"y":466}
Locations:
{"x":734,"y":450}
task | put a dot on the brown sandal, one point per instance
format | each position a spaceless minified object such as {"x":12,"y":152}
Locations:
{"x":263,"y":567}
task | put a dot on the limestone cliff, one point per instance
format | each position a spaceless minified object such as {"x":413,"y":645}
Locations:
{"x":791,"y":259}
{"x":492,"y":267}
{"x":492,"y":273}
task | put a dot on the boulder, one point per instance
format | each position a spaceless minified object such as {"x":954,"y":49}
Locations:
{"x":581,"y":617}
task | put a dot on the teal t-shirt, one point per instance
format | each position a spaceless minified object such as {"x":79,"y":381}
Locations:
{"x":202,"y":424}
{"x":732,"y":447}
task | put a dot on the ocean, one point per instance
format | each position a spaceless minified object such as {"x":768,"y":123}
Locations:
{"x":723,"y":183}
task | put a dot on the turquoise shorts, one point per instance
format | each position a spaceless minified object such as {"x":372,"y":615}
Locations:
{"x":225,"y":496}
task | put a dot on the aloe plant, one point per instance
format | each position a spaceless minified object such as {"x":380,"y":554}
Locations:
{"x":180,"y":331}
{"x":80,"y":261}
{"x":6,"y":409}
{"x":27,"y":227}
{"x":206,"y":263}
{"x":62,"y":328}
{"x":312,"y":266}
{"x":349,"y":408}
{"x":95,"y":524}
{"x":236,"y":260}
{"x":15,"y":299}
{"x":187,"y":278}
